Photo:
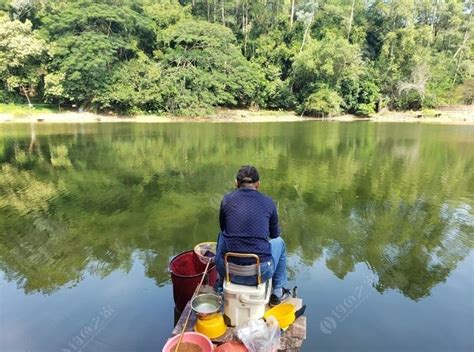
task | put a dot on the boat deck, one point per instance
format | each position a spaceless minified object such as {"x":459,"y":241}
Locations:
{"x":291,"y":339}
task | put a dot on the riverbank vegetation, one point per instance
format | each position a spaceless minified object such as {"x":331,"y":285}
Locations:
{"x":188,"y":57}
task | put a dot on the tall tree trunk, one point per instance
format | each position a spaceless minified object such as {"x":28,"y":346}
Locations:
{"x":350,"y":20}
{"x":247,"y":28}
{"x":223,"y":12}
{"x":306,"y":31}
{"x":245,"y":21}
{"x":433,"y":20}
{"x":292,"y":15}
{"x":214,"y":11}
{"x":208,"y":10}
{"x":463,"y":44}
{"x":243,"y":26}
{"x":243,"y":18}
{"x":26,"y":95}
{"x":460,"y":52}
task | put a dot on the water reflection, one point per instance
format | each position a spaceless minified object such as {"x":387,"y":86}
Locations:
{"x":81,"y":201}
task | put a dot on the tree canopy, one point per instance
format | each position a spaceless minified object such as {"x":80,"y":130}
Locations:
{"x":189,"y":56}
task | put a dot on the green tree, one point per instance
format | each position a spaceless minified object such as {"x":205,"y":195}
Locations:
{"x":329,"y":61}
{"x":3,"y":7}
{"x":424,"y":51}
{"x":203,"y":68}
{"x":412,"y":54}
{"x":274,"y":52}
{"x":134,"y":87}
{"x":88,"y":39}
{"x":166,"y":12}
{"x":325,"y":102}
{"x":21,"y":56}
{"x":336,"y":65}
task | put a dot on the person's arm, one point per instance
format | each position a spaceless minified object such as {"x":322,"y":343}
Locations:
{"x":222,"y":216}
{"x":274,"y":227}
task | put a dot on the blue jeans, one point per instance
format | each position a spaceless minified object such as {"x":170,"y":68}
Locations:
{"x":274,"y":269}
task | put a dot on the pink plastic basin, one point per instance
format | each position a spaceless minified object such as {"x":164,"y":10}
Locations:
{"x":194,"y":337}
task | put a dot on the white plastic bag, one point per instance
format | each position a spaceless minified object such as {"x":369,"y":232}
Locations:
{"x":260,"y":336}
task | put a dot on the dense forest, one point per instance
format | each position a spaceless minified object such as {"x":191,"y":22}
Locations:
{"x":186,"y":57}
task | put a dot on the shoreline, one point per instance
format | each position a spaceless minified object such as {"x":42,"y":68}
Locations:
{"x":458,"y":117}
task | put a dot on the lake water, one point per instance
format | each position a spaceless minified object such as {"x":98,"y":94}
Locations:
{"x":378,"y":220}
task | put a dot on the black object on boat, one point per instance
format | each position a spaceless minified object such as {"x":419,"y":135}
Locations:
{"x":300,"y":312}
{"x":209,"y":254}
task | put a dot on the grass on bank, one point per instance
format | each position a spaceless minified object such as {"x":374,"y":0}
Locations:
{"x":23,"y":110}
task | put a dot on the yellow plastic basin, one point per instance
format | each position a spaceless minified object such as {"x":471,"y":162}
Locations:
{"x":284,"y":313}
{"x":212,"y":327}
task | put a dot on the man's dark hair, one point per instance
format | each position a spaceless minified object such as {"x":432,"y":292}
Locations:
{"x":247,"y":174}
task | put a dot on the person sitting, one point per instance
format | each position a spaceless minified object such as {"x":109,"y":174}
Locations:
{"x":249,"y":224}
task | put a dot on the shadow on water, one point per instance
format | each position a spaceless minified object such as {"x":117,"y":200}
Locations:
{"x":77,"y":201}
